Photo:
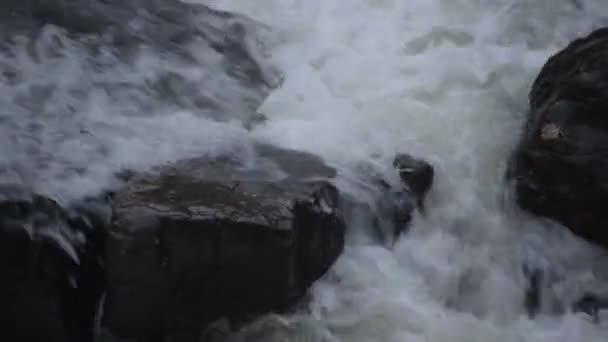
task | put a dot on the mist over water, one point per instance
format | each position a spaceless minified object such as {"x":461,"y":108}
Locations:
{"x":362,"y":80}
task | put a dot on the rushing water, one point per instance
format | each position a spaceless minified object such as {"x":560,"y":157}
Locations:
{"x":444,"y":80}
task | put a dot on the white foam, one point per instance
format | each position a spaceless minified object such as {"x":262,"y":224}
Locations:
{"x":445,"y":80}
{"x":71,"y":120}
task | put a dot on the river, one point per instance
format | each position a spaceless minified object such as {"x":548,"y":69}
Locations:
{"x":360,"y":81}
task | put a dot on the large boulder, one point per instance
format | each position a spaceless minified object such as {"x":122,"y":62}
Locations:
{"x":183,"y":47}
{"x":51,"y":267}
{"x":560,"y":167}
{"x":201,"y":240}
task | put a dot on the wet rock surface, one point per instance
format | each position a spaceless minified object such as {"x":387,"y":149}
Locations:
{"x":560,"y":166}
{"x":167,"y":26}
{"x":391,"y":201}
{"x":416,"y":176}
{"x":185,"y":245}
{"x":52,"y":271}
{"x":207,"y":239}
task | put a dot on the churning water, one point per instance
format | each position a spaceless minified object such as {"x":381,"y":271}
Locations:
{"x":445,"y":80}
{"x":362,"y":80}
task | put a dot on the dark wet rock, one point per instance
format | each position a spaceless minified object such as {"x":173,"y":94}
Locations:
{"x":105,"y":37}
{"x":394,"y":210}
{"x":390,"y":204}
{"x":51,"y":266}
{"x":203,"y":240}
{"x":533,"y":295}
{"x":591,"y":304}
{"x":560,"y":166}
{"x":398,"y":203}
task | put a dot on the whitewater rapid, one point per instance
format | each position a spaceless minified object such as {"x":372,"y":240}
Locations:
{"x":360,"y":81}
{"x":445,"y":80}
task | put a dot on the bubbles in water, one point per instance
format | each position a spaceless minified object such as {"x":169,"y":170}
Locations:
{"x":363,"y":80}
{"x":446,"y":81}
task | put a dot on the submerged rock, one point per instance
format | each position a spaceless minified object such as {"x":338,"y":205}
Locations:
{"x":397,"y":203}
{"x":560,"y":167}
{"x":51,"y":267}
{"x":202,"y":240}
{"x":416,"y":175}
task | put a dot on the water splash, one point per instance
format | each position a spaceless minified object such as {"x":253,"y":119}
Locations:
{"x":444,"y":80}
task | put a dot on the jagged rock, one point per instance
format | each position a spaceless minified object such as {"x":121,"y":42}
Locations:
{"x":416,"y":175}
{"x":397,"y":203}
{"x":560,"y":166}
{"x":205,"y":239}
{"x":52,"y":276}
{"x":392,"y":204}
{"x":136,"y":63}
{"x":591,"y":304}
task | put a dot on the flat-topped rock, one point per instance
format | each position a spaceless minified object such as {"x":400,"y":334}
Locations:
{"x":205,"y":239}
